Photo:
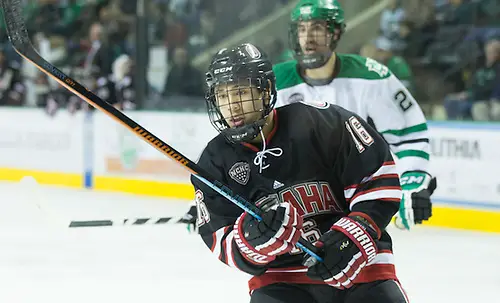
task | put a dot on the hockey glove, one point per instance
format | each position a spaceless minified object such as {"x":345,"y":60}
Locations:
{"x":416,"y":205}
{"x":276,"y":234}
{"x":346,"y":248}
{"x":190,"y":219}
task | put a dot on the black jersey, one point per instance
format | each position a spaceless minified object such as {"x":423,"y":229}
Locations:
{"x":323,"y":159}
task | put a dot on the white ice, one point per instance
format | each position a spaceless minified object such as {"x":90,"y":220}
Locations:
{"x":42,"y":260}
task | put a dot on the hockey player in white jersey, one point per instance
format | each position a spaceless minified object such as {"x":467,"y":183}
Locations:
{"x":361,"y":85}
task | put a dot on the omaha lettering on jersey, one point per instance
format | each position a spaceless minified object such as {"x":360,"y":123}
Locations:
{"x":311,"y":198}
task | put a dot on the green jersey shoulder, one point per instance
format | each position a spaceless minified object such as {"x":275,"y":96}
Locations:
{"x":287,"y":74}
{"x":355,"y":66}
{"x":351,"y":66}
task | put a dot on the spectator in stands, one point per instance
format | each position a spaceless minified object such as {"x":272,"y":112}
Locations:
{"x":203,"y":35}
{"x":391,"y":18}
{"x":94,"y":44}
{"x":45,"y":16}
{"x":421,"y":13}
{"x":457,"y":12}
{"x":118,"y":88}
{"x":480,"y":101}
{"x":70,"y":21}
{"x":490,"y":10}
{"x":123,"y":79}
{"x":185,"y":10}
{"x":12,"y":88}
{"x":407,"y":30}
{"x":485,"y":91}
{"x":179,"y":7}
{"x":99,"y":57}
{"x":419,"y":26}
{"x":176,"y":33}
{"x":407,"y":40}
{"x":183,"y":79}
{"x":157,"y":12}
{"x":396,"y":64}
{"x":115,"y":28}
{"x":128,"y":7}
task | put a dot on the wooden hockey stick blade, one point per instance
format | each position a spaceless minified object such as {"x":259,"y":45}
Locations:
{"x":18,"y":35}
{"x":128,"y":222}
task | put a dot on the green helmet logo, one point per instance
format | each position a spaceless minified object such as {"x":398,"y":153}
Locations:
{"x":305,"y":10}
{"x":330,"y":14}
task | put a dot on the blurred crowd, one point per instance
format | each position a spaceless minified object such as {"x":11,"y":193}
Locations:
{"x":89,"y":40}
{"x":95,"y":42}
{"x":447,"y":52}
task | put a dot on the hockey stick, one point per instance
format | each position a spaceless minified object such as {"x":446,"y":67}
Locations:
{"x":18,"y":36}
{"x":127,"y":222}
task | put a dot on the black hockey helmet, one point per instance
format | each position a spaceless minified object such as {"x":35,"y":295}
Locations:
{"x":241,"y":91}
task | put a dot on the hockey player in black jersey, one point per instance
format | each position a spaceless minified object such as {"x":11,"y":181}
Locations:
{"x":316,"y":170}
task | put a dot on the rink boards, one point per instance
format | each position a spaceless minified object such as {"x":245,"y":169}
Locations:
{"x":93,"y":151}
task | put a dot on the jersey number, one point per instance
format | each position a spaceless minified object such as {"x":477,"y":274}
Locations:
{"x":203,"y":216}
{"x":359,"y":133}
{"x":311,"y":233}
{"x":403,"y":100}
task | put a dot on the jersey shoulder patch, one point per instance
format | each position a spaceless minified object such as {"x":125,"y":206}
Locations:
{"x":355,"y":66}
{"x":286,"y":74}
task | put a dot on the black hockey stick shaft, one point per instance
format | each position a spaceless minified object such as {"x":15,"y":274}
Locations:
{"x":18,"y":35}
{"x":126,"y":222}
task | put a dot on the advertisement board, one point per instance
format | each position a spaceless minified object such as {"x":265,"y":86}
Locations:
{"x":33,"y":143}
{"x":120,"y":153}
{"x":124,"y":161}
{"x":466,"y":161}
{"x":95,"y":151}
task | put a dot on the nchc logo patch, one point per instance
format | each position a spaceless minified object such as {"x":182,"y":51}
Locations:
{"x":240,"y":172}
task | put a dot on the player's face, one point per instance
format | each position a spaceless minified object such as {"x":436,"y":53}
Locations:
{"x":239,"y":104}
{"x":313,"y":36}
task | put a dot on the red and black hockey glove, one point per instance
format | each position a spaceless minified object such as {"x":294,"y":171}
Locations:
{"x":276,"y":234}
{"x":346,"y":249}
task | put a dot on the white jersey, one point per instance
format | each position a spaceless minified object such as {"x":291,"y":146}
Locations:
{"x":369,"y":89}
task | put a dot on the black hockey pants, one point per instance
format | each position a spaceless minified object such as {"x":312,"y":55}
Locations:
{"x":387,"y":291}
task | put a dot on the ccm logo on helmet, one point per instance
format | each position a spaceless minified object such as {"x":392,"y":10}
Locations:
{"x":222,"y":70}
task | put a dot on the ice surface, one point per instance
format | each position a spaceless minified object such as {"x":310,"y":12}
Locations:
{"x":42,"y":260}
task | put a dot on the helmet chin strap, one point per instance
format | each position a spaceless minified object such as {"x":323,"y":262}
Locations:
{"x":244,"y":133}
{"x":315,"y":60}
